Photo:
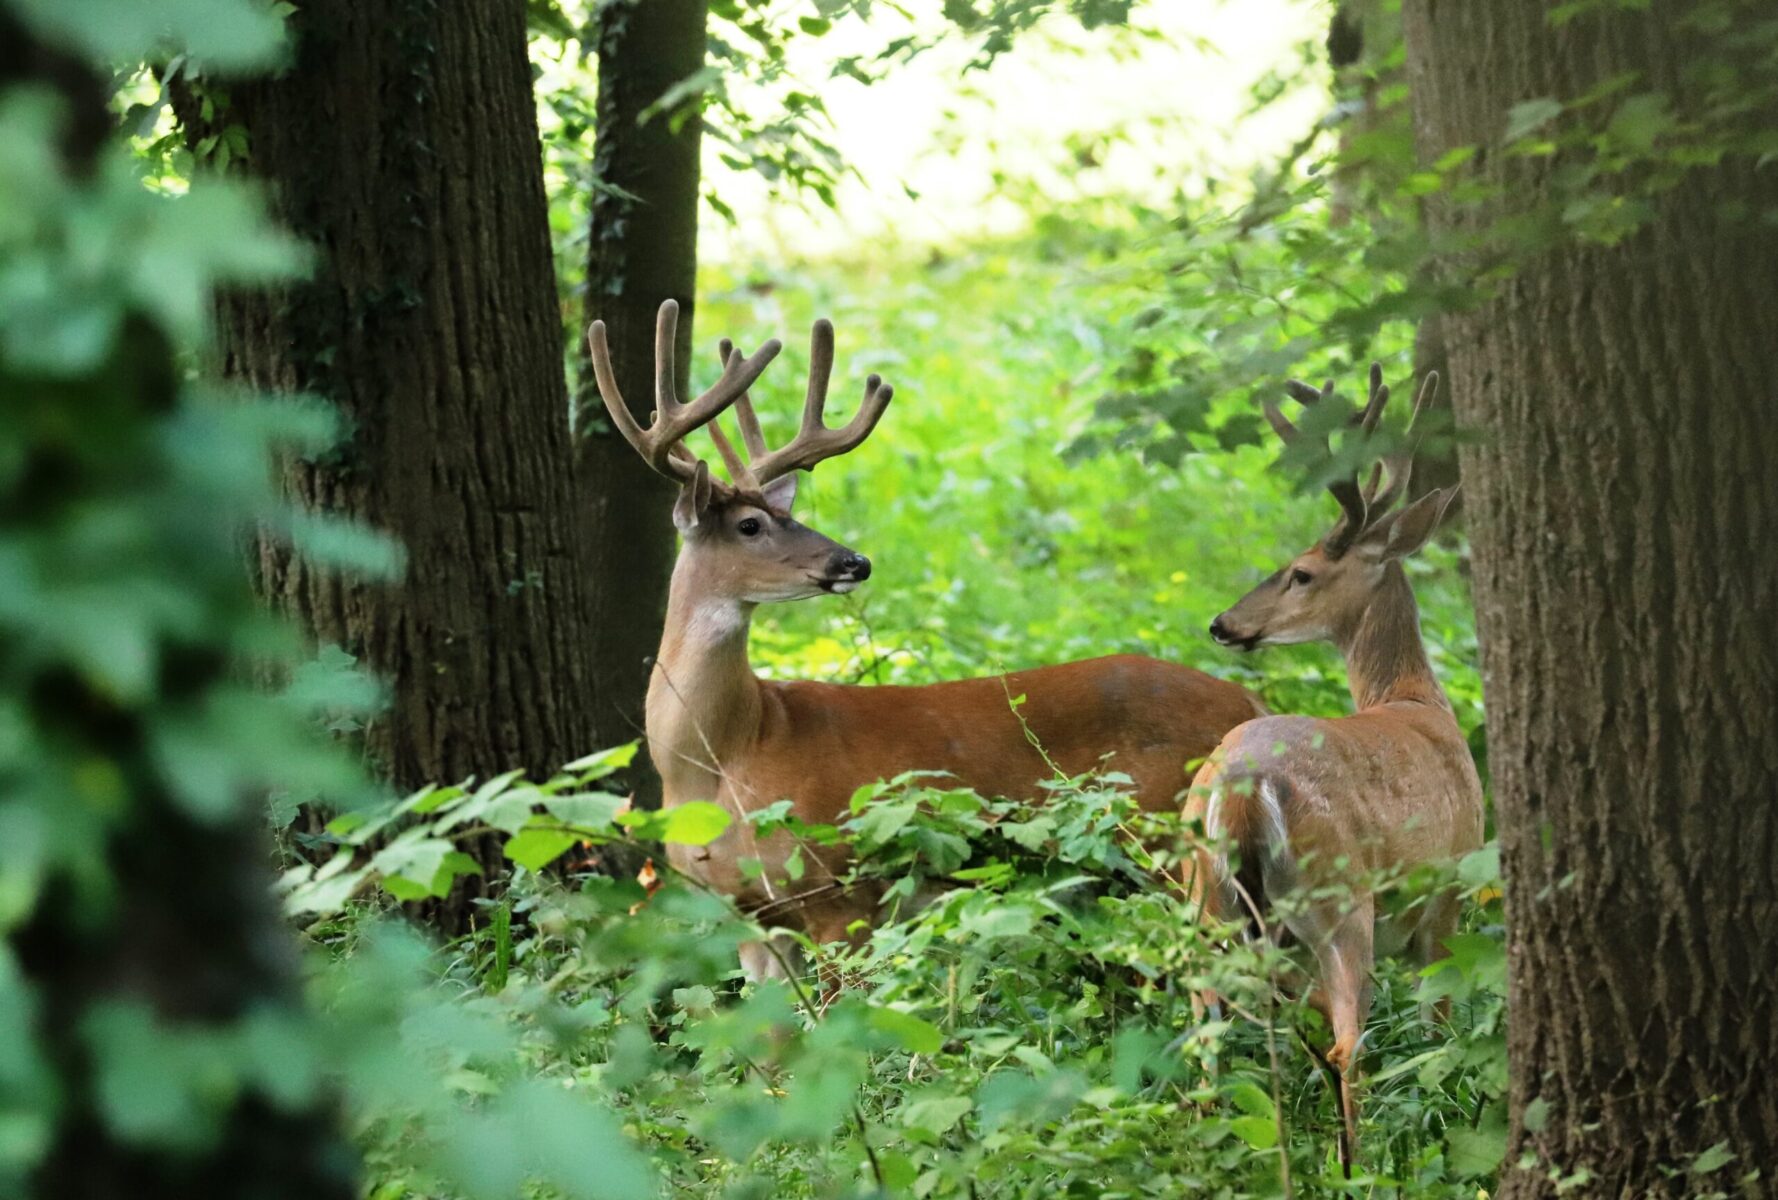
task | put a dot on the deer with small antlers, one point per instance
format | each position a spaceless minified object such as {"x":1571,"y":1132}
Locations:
{"x":718,"y":732}
{"x":1323,"y":807}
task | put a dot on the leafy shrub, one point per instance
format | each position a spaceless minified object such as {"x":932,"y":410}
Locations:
{"x":1029,"y":1032}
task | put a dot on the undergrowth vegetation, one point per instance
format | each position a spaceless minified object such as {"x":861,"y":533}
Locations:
{"x":1031,"y":1031}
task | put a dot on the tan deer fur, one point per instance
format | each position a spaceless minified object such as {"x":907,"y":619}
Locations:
{"x":1310,"y":802}
{"x":718,"y":732}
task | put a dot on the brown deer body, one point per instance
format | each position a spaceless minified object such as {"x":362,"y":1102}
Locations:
{"x":717,"y":732}
{"x":1321,"y":807}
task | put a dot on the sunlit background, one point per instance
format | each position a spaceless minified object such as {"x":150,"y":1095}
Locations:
{"x":933,"y":147}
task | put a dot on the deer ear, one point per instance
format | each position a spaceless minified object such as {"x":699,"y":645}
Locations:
{"x":781,"y":492}
{"x":694,"y":499}
{"x":1411,"y":528}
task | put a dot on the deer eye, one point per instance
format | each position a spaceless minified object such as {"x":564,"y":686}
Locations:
{"x":749,"y":527}
{"x":1301,"y":578}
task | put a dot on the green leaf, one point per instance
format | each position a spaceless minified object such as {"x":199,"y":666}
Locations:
{"x":228,"y":34}
{"x":1713,"y":1159}
{"x":1480,"y":868}
{"x":1529,"y":115}
{"x":695,"y":823}
{"x":345,"y":545}
{"x":1253,"y":1100}
{"x":1536,"y":1115}
{"x":604,"y":762}
{"x":935,"y":1114}
{"x":911,"y":1033}
{"x":1470,"y":1153}
{"x":586,"y":810}
{"x":998,"y":921}
{"x":1640,"y":121}
{"x":1259,"y":1132}
{"x":534,"y":849}
{"x":880,"y":821}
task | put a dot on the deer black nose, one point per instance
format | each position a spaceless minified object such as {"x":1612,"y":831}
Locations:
{"x":855,"y":565}
{"x":1218,"y":630}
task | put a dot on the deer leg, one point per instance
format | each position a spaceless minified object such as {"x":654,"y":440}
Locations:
{"x":1344,"y":954}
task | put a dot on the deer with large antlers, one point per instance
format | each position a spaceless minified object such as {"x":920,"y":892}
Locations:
{"x":717,"y":732}
{"x":1324,"y":807}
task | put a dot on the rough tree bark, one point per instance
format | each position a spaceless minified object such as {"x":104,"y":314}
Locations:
{"x":643,"y":251}
{"x":1623,"y":508}
{"x":403,"y":144}
{"x":171,"y":912}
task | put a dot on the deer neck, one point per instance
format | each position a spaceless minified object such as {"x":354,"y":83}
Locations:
{"x":1385,"y":658}
{"x":703,"y":698}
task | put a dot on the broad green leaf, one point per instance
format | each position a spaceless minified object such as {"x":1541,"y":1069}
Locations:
{"x":696,"y":823}
{"x":913,"y":1034}
{"x":936,"y":1114}
{"x":1470,"y":1153}
{"x":535,"y":848}
{"x":1259,"y":1132}
{"x":586,"y":810}
{"x":1530,"y":115}
{"x":1712,"y":1160}
{"x":1253,"y":1100}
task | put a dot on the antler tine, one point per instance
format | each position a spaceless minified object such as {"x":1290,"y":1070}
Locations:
{"x":751,"y":437}
{"x":739,"y":469}
{"x":1281,"y":424}
{"x":1351,"y":498}
{"x":659,"y":444}
{"x":1379,"y":396}
{"x":820,"y":375}
{"x":814,"y":441}
{"x":619,"y":412}
{"x":1354,"y":513}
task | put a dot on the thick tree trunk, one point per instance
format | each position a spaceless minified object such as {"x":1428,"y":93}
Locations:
{"x":403,"y":144}
{"x":1623,"y":508}
{"x":644,"y":243}
{"x":140,"y":902}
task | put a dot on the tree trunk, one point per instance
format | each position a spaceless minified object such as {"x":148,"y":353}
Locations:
{"x":1623,"y":507}
{"x":403,"y":144}
{"x":140,"y":906}
{"x":644,"y":249}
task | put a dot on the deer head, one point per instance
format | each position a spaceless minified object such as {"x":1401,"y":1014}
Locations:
{"x":1324,"y":590}
{"x":739,"y":540}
